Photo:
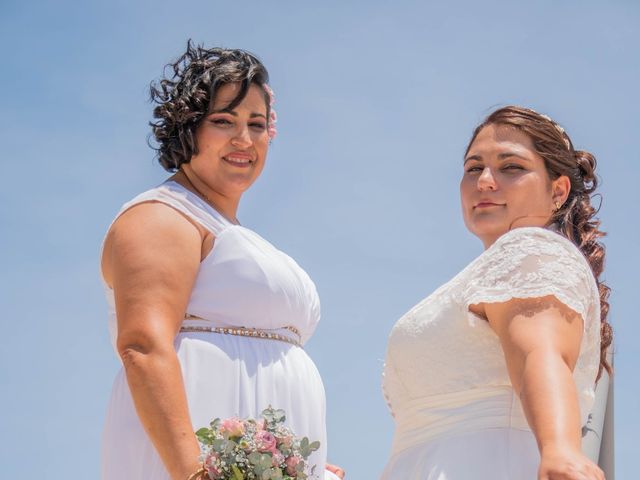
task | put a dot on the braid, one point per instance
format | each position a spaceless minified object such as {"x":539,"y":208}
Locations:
{"x":577,"y":220}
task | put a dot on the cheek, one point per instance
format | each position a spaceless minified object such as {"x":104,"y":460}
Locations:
{"x":467,"y":188}
{"x":262,"y":146}
{"x":527,"y":193}
{"x":211,"y":141}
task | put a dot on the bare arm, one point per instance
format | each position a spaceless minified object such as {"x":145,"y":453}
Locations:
{"x":541,"y":339}
{"x":151,"y":259}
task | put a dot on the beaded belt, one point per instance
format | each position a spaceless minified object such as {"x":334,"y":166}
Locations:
{"x":242,"y":331}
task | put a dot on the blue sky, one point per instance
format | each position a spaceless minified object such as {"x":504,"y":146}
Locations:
{"x":376,"y":101}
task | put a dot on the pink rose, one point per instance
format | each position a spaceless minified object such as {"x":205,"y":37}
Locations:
{"x":233,"y":427}
{"x":265,"y":441}
{"x":292,"y":463}
{"x":211,"y":465}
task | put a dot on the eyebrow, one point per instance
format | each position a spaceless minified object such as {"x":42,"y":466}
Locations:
{"x":501,"y":156}
{"x":231,"y":112}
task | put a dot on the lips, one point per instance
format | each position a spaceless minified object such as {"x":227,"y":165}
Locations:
{"x":487,"y":204}
{"x":238,"y":159}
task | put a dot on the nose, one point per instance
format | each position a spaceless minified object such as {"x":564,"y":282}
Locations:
{"x":242,"y":137}
{"x":486,"y":180}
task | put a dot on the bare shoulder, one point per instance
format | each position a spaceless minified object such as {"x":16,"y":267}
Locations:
{"x":147,"y":233}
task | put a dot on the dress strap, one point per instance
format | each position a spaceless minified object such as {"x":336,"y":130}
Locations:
{"x":193,"y":207}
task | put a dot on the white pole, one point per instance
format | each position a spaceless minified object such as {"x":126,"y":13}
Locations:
{"x":597,"y":434}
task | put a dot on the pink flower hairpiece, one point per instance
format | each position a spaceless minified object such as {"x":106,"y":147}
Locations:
{"x":273,"y":118}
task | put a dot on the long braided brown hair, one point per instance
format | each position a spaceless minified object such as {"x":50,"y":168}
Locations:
{"x":575,"y":219}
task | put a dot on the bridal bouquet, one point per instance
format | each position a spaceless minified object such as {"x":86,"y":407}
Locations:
{"x":264,"y":449}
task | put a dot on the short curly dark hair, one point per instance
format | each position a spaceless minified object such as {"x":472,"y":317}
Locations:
{"x":185,"y":95}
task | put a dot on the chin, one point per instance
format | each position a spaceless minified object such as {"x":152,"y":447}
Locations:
{"x":487,"y":228}
{"x":241,"y":182}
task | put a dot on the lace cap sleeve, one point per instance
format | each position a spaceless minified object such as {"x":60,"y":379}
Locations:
{"x":534,"y":262}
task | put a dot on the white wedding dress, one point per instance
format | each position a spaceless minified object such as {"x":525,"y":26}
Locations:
{"x":243,"y":282}
{"x":445,"y":378}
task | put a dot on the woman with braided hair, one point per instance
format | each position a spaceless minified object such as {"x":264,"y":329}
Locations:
{"x":207,"y":317}
{"x":492,"y":376}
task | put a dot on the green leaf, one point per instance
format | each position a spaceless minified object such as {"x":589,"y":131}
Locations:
{"x":305,"y":448}
{"x":273,"y":417}
{"x":254,"y":458}
{"x":215,"y":424}
{"x":219,"y":445}
{"x":230,"y":446}
{"x":267,"y":474}
{"x":204,"y":436}
{"x":266,"y":460}
{"x":279,"y":416}
{"x":237,"y":474}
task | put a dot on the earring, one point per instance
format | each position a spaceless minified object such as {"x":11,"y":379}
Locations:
{"x":557,"y":205}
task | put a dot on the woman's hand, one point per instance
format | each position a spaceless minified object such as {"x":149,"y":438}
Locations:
{"x":335,"y":470}
{"x":567,"y":464}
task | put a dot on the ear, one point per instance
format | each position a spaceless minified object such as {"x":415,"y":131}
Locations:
{"x":560,"y":188}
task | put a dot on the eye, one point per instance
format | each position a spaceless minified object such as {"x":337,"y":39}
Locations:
{"x":220,"y":121}
{"x":474,"y":169}
{"x":513,"y":167}
{"x":258,"y":125}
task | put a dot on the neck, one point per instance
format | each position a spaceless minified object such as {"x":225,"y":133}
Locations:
{"x":488,"y":241}
{"x":226,"y":206}
{"x":519,"y":222}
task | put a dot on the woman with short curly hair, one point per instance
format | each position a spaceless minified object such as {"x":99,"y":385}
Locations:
{"x":207,"y":317}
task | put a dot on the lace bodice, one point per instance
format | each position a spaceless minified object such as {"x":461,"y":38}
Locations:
{"x":444,"y":365}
